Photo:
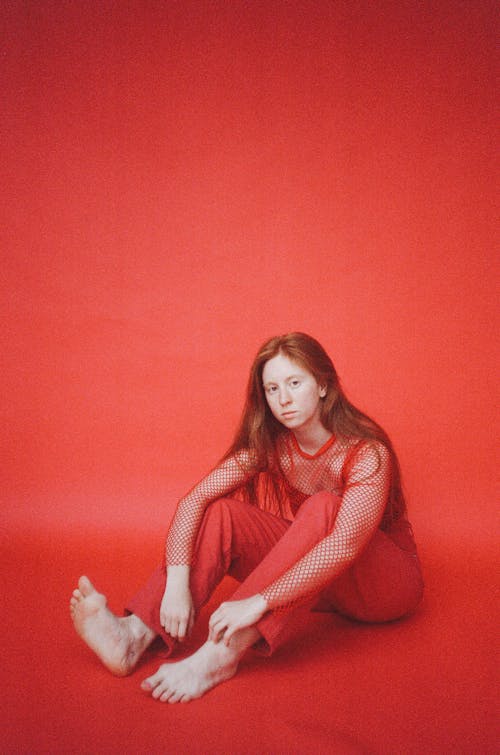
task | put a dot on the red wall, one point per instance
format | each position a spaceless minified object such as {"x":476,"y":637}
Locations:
{"x":185,"y":180}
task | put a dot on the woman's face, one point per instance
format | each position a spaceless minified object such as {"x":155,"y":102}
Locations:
{"x":292,"y":393}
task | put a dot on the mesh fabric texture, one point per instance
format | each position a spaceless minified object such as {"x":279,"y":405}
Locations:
{"x":357,"y":471}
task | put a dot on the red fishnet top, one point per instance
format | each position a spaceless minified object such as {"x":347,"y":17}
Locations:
{"x":358,"y":471}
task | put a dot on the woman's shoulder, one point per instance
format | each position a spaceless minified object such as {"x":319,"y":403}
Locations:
{"x":368,"y":451}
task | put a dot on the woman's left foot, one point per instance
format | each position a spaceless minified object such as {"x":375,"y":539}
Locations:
{"x":186,"y":680}
{"x":119,"y":642}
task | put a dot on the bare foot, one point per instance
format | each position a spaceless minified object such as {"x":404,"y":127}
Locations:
{"x":212,"y":664}
{"x":118,"y":642}
{"x":190,"y":678}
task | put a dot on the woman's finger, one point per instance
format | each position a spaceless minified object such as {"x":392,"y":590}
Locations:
{"x":218,"y":630}
{"x":220,"y":611}
{"x":181,"y":631}
{"x":231,"y":629}
{"x":215,"y":617}
{"x":213,"y":632}
{"x":214,"y":622}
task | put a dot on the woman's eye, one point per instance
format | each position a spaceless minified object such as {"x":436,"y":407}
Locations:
{"x":271,"y":389}
{"x":295,"y":383}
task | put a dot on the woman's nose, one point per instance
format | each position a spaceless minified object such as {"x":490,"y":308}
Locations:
{"x":284,"y":397}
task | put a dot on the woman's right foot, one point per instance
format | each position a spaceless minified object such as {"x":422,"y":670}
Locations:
{"x":211,"y":665}
{"x":118,"y":642}
{"x":193,"y":676}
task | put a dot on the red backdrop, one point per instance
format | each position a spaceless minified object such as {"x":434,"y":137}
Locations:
{"x":184,"y":180}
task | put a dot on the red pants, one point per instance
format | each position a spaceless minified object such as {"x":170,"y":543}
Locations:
{"x":256,"y":547}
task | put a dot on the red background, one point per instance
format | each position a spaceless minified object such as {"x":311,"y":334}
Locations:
{"x":186,"y":179}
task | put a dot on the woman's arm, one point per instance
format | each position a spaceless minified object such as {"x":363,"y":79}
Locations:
{"x":177,"y":611}
{"x":226,"y":477}
{"x":359,"y":515}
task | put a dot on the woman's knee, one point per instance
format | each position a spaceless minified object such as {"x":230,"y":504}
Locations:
{"x":322,"y":498}
{"x":323,"y":504}
{"x":219,"y":508}
{"x":226,"y":514}
{"x":216,"y":517}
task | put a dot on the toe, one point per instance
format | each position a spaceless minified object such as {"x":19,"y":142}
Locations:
{"x":153,"y":681}
{"x":86,"y":586}
{"x":174,"y":698}
{"x":159,"y":692}
{"x":151,"y":684}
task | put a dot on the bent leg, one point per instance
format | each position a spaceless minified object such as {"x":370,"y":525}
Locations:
{"x":314,"y":520}
{"x":260,"y":548}
{"x":256,"y":548}
{"x":233,"y":538}
{"x":385,"y":583}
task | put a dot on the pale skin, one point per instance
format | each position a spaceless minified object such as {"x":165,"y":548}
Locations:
{"x":294,"y":397}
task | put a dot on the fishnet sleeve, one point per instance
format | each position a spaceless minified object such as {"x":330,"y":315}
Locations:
{"x":226,"y":477}
{"x":359,"y":515}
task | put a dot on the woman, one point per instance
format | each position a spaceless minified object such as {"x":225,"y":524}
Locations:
{"x":306,"y":510}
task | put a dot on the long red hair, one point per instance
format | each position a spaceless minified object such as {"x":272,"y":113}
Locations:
{"x":259,"y":429}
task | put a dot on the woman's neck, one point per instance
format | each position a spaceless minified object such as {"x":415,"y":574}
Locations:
{"x":312,"y":439}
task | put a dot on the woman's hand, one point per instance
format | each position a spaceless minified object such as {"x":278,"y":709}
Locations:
{"x":177,"y":610}
{"x":235,"y":615}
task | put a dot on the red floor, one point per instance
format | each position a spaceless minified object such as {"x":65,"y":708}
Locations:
{"x":423,"y":685}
